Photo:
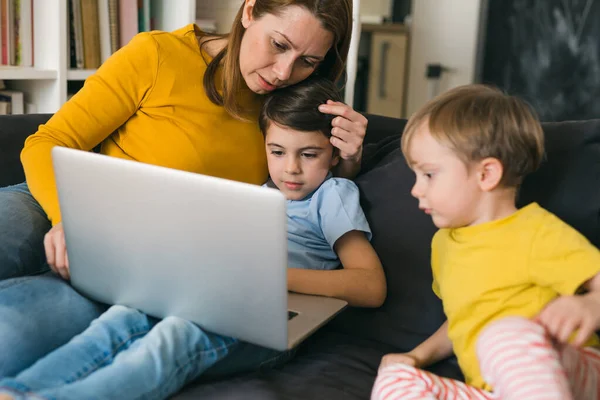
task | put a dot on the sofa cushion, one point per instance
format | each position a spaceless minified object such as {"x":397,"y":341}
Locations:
{"x":328,"y":366}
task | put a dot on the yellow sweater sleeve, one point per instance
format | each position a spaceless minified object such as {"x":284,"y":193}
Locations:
{"x":108,"y":99}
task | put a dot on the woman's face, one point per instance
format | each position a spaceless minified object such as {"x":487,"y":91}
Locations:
{"x":280,"y":50}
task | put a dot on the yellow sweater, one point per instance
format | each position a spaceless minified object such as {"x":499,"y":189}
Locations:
{"x":147,"y":103}
{"x":510,"y":267}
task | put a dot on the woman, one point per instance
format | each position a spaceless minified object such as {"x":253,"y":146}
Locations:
{"x":127,"y":352}
{"x":184,"y":100}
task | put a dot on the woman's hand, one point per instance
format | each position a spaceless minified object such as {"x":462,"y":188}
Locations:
{"x":348,"y":132}
{"x":56,"y":251}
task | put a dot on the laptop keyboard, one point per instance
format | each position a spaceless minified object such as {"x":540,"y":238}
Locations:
{"x":291,"y":314}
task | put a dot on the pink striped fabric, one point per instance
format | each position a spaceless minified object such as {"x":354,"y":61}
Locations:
{"x":517,"y":358}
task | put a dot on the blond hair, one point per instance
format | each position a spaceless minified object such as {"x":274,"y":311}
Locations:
{"x":335,"y":16}
{"x":478,"y":122}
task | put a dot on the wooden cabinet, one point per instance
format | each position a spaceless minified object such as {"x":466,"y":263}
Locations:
{"x":387,"y":73}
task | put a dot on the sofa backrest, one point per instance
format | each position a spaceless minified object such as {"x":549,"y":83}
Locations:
{"x":14,"y":129}
{"x":567,"y":184}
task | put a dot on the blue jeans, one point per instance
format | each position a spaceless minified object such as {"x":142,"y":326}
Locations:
{"x":127,"y":354}
{"x":37,"y":313}
{"x":23,"y":224}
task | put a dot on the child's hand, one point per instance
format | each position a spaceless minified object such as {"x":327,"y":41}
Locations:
{"x":566,"y":314}
{"x":399,"y":358}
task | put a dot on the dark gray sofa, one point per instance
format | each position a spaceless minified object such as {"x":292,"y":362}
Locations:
{"x":340,"y":361}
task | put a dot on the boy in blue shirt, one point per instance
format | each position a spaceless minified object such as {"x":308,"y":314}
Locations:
{"x":128,"y":354}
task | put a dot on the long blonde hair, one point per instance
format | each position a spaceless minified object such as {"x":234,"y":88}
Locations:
{"x":336,"y":17}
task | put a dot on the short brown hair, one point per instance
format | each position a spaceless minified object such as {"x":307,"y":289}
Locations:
{"x":335,"y":16}
{"x":297,"y":106}
{"x":479,"y":121}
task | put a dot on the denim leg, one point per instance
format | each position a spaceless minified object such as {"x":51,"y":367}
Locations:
{"x":37,"y":315}
{"x":158,"y":365}
{"x":23,"y":224}
{"x":113,"y":332}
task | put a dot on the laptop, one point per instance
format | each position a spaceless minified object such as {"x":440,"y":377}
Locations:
{"x":175,"y":243}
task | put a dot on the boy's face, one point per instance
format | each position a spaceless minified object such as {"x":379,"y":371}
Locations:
{"x":446,"y":189}
{"x":298,"y":161}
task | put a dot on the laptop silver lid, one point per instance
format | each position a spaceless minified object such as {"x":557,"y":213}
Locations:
{"x":168,"y":242}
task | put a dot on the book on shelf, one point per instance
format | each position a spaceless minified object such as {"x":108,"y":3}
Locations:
{"x":16,"y":33}
{"x":91,"y":34}
{"x":11,"y":102}
{"x":113,"y":25}
{"x":4,"y":106}
{"x":104,"y":29}
{"x":16,"y":100}
{"x":109,"y":25}
{"x":128,"y":20}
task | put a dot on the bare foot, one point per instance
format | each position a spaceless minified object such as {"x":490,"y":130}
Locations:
{"x":4,"y":396}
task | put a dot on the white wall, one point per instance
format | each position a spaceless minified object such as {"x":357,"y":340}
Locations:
{"x":445,"y":32}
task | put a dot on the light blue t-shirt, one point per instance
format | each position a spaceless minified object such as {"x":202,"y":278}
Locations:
{"x":316,"y":222}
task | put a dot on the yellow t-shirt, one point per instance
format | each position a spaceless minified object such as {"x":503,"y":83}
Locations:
{"x":147,"y":103}
{"x":509,"y":267}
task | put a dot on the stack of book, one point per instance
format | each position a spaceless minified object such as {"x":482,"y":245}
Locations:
{"x":98,"y":28}
{"x":16,"y":32}
{"x":11,"y":101}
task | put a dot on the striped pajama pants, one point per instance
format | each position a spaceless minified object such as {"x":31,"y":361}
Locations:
{"x":517,"y":358}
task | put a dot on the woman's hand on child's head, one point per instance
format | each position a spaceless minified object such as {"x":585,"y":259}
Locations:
{"x":56,"y":251}
{"x":348,"y":129}
{"x":567,"y":314}
{"x":399,"y":358}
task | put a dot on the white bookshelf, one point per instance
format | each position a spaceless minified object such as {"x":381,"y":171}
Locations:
{"x":45,"y":84}
{"x":18,"y":73}
{"x":79,"y":74}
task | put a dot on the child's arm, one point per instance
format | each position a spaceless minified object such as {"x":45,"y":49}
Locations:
{"x":566,"y":314}
{"x":361,"y":281}
{"x":562,"y":259}
{"x":437,"y":347}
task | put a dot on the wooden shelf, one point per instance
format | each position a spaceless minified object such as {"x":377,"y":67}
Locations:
{"x":385,"y":28}
{"x":22,"y":73}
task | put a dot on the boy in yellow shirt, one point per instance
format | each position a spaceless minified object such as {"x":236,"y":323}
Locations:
{"x":520,"y":288}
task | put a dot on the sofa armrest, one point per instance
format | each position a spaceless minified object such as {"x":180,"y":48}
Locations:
{"x":14,"y":129}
